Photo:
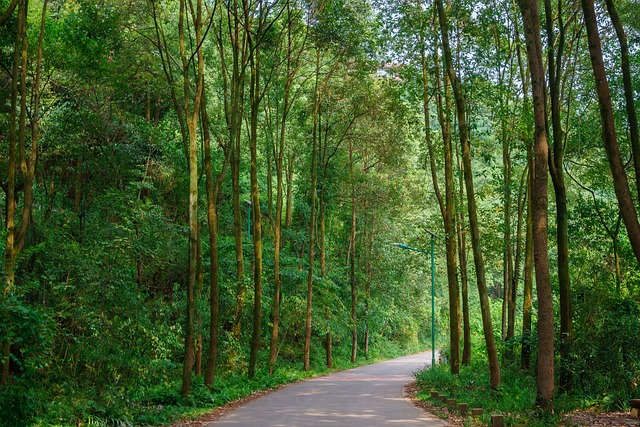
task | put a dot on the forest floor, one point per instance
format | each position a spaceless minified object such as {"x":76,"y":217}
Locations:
{"x":574,"y":419}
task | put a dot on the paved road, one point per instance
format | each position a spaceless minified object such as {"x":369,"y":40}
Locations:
{"x":370,"y":396}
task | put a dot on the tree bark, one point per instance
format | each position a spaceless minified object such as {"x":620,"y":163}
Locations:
{"x":447,"y":207}
{"x":464,"y":280}
{"x":492,"y":354}
{"x":312,"y":224}
{"x":213,"y":188}
{"x":522,"y":200}
{"x":279,"y":161}
{"x":192,"y":113}
{"x":545,"y":379}
{"x":291,"y":159}
{"x":628,"y":89}
{"x":620,"y":182}
{"x":556,"y":167}
{"x":10,"y":252}
{"x":256,"y":96}
{"x":352,"y":268}
{"x":527,"y":305}
{"x":240,"y":57}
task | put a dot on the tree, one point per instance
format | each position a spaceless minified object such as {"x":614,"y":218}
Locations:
{"x":213,"y":190}
{"x":22,"y":157}
{"x":293,"y":50}
{"x":447,"y":207}
{"x":539,"y":198}
{"x":556,"y":168}
{"x":628,"y":89}
{"x":192,"y":104}
{"x":461,"y":112}
{"x":620,"y":182}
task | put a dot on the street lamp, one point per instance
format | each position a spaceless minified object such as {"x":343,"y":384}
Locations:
{"x":433,"y":318}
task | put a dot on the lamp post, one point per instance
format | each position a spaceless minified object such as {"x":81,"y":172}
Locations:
{"x":433,"y":318}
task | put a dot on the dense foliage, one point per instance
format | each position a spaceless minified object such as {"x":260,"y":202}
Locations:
{"x":199,"y":191}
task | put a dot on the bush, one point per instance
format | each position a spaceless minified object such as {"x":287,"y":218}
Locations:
{"x":605,"y":362}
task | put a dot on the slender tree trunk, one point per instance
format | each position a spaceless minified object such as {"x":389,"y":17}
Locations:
{"x":291,"y":159}
{"x":527,"y":305}
{"x":556,"y":167}
{"x":277,"y":286}
{"x":539,"y":196}
{"x":628,"y":89}
{"x":268,"y":150}
{"x":213,"y":189}
{"x":352,"y":270}
{"x":620,"y":182}
{"x":522,"y":197}
{"x":257,"y":264}
{"x":256,"y":96}
{"x":369,"y":236}
{"x":198,"y":296}
{"x":447,"y":207}
{"x":492,"y":354}
{"x":192,"y":103}
{"x":323,"y":274}
{"x":462,"y":250}
{"x":312,"y":222}
{"x":239,"y":48}
{"x":16,"y":238}
{"x":616,"y":256}
{"x":507,"y":239}
{"x":10,"y":255}
{"x":328,"y":342}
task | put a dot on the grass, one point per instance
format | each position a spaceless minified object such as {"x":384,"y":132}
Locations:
{"x":514,"y":398}
{"x":158,"y":402}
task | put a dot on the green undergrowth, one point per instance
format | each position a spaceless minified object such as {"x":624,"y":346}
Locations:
{"x":514,"y":398}
{"x":152,"y":402}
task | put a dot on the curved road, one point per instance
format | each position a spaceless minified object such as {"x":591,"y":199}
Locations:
{"x":370,"y":396}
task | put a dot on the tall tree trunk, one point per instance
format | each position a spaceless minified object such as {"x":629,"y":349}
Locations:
{"x":279,"y":161}
{"x":628,"y":89}
{"x":492,"y":354}
{"x":545,"y":379}
{"x":238,"y":37}
{"x":192,"y":112}
{"x":323,"y":274}
{"x":328,"y":341}
{"x":522,"y":200}
{"x":556,"y":160}
{"x":352,"y":268}
{"x":506,"y":239}
{"x":213,"y":188}
{"x":291,"y":159}
{"x":369,"y":237}
{"x":312,"y":222}
{"x":16,"y":239}
{"x":256,"y":96}
{"x":527,"y":305}
{"x":620,"y":182}
{"x":447,"y":207}
{"x":462,"y":250}
{"x":198,"y":296}
{"x":12,"y":166}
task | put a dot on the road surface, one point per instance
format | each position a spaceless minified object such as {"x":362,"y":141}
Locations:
{"x":370,"y":396}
